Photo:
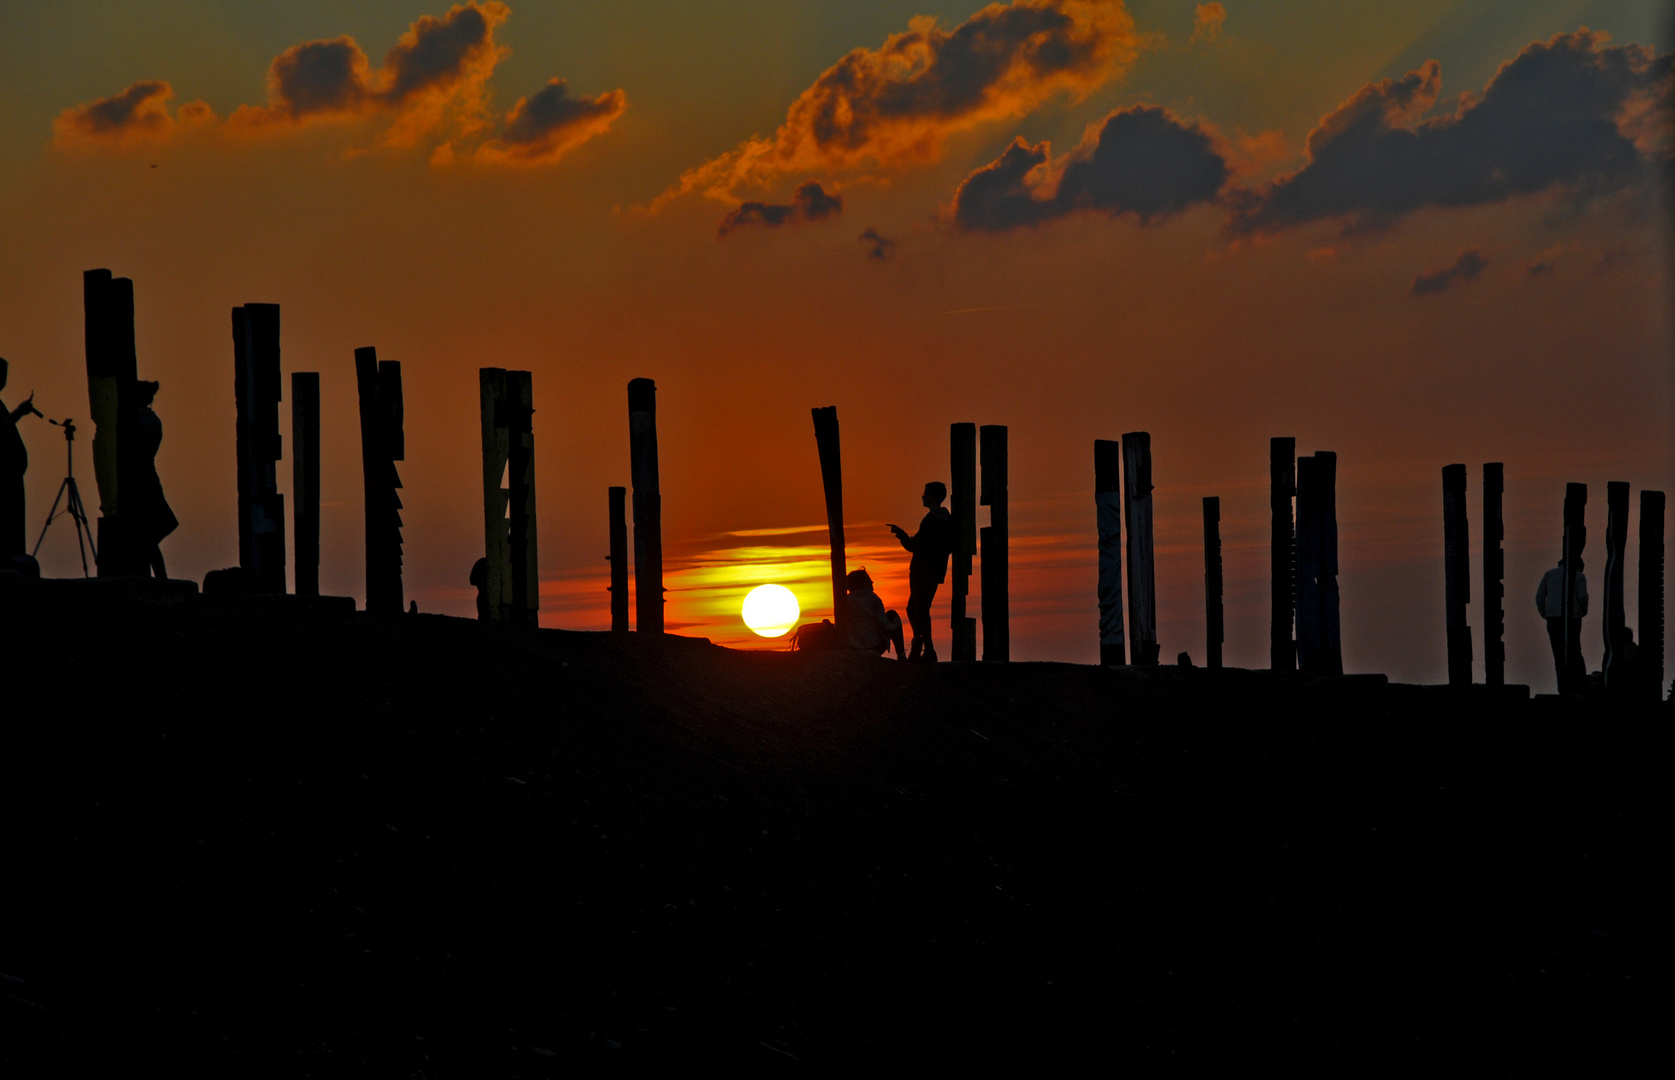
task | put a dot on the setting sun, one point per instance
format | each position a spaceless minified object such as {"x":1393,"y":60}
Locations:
{"x":770,"y":610}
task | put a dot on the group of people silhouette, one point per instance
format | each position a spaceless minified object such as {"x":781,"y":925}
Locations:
{"x":872,"y":628}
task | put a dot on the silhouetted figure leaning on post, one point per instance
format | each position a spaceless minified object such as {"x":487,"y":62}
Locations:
{"x":930,"y":546}
{"x":871,"y":628}
{"x":480,"y":578}
{"x":144,"y":510}
{"x":14,"y":462}
{"x":1549,"y":600}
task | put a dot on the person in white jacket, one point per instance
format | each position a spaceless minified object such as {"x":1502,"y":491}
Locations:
{"x":1549,"y":600}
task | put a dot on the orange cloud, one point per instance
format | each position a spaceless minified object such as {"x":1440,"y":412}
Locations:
{"x":1207,"y":20}
{"x":895,"y":106}
{"x":139,"y":113}
{"x":543,"y":128}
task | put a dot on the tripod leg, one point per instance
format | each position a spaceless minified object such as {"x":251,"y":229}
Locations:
{"x":84,"y":531}
{"x":51,"y":514}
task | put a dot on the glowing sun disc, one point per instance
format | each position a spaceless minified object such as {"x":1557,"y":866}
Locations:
{"x":771,"y":610}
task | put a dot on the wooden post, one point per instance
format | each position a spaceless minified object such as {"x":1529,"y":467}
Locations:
{"x":1108,"y":508}
{"x":1308,"y":567}
{"x":1614,"y":619}
{"x":1142,"y":589}
{"x":1331,"y":638}
{"x":102,"y":406}
{"x":305,"y":480}
{"x":497,"y":448}
{"x":1214,"y":631}
{"x":1651,"y":594}
{"x":520,"y":495}
{"x":1494,"y":574}
{"x":1282,"y":485}
{"x":1456,"y":573}
{"x":1575,"y":540}
{"x":831,"y":476}
{"x":962,"y":505}
{"x":257,"y":390}
{"x":383,"y":443}
{"x":618,"y":498}
{"x":995,"y":539}
{"x":648,"y":506}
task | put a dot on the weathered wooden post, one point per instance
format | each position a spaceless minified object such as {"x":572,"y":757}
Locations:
{"x":962,"y":505}
{"x":648,"y":506}
{"x":257,"y":390}
{"x":1575,"y":539}
{"x":497,"y":449}
{"x":1456,"y":573}
{"x":1107,"y":500}
{"x":996,"y":540}
{"x":1142,"y":589}
{"x":1214,"y":631}
{"x":305,"y":480}
{"x":112,"y":370}
{"x":1282,"y":485}
{"x":1615,"y":620}
{"x":831,"y":476}
{"x":1651,"y":594}
{"x":520,"y":494}
{"x":383,"y":443}
{"x":1494,"y":574}
{"x":1308,"y":566}
{"x":1331,"y":636}
{"x":618,"y":498}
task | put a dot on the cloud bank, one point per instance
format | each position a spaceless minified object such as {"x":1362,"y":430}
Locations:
{"x":1465,"y":268}
{"x":1207,"y":21}
{"x":810,"y":202}
{"x":1141,"y":160}
{"x":433,"y":86}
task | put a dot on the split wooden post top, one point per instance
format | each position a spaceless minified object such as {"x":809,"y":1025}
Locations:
{"x":830,"y":449}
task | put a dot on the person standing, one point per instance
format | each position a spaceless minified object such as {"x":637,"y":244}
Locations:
{"x":144,"y":509}
{"x":1549,"y":600}
{"x":930,"y":546}
{"x":14,"y":462}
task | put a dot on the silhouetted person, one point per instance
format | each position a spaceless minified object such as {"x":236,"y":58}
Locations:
{"x":871,"y":628}
{"x":480,"y":578}
{"x":1549,"y":600}
{"x":14,"y":462}
{"x":930,"y":546}
{"x":146,"y":517}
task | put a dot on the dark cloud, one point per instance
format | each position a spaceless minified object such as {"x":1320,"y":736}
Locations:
{"x":896,"y":105}
{"x":543,"y":127}
{"x":319,"y":77}
{"x":140,"y":111}
{"x":808,"y":203}
{"x":1465,"y":268}
{"x":1544,"y":268}
{"x":881,"y":244}
{"x":1141,"y":160}
{"x":440,"y":53}
{"x":1570,"y":114}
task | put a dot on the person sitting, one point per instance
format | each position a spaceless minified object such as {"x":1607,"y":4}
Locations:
{"x":871,"y":628}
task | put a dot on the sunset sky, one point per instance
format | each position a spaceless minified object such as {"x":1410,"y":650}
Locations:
{"x":1414,"y":234}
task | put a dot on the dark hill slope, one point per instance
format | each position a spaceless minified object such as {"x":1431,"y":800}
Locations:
{"x":338,"y":845}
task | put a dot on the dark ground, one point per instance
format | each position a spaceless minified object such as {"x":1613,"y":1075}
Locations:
{"x":254,"y":840}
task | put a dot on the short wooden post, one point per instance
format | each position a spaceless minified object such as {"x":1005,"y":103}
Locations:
{"x":1282,"y":485}
{"x":1494,"y":575}
{"x":1651,"y":594}
{"x":520,"y":496}
{"x":1614,"y":622}
{"x":497,"y":448}
{"x":1214,"y":631}
{"x":618,"y":498}
{"x":648,"y":506}
{"x":996,"y":539}
{"x":256,"y":388}
{"x":305,"y":481}
{"x":831,"y":477}
{"x":383,"y":443}
{"x":962,"y":505}
{"x":1142,"y":589}
{"x":1575,"y":540}
{"x":1456,"y":573}
{"x":1108,"y":509}
{"x":1308,"y":567}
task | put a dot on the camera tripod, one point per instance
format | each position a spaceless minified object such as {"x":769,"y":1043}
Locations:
{"x":72,"y":505}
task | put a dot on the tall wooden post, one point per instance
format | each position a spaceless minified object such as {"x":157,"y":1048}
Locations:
{"x":618,"y":498}
{"x":1142,"y":588}
{"x":1330,"y":661}
{"x":520,"y":496}
{"x":1575,"y":539}
{"x":962,"y":505}
{"x":1214,"y":632}
{"x":648,"y":506}
{"x":1282,"y":485}
{"x":1456,"y":573}
{"x":497,"y":448}
{"x":1651,"y":594}
{"x":305,"y":480}
{"x":257,"y":391}
{"x":383,"y":443}
{"x":112,"y":369}
{"x":1615,"y":620}
{"x":831,"y":476}
{"x":996,"y":540}
{"x":1108,"y":508}
{"x":1494,"y":574}
{"x":1308,"y":566}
